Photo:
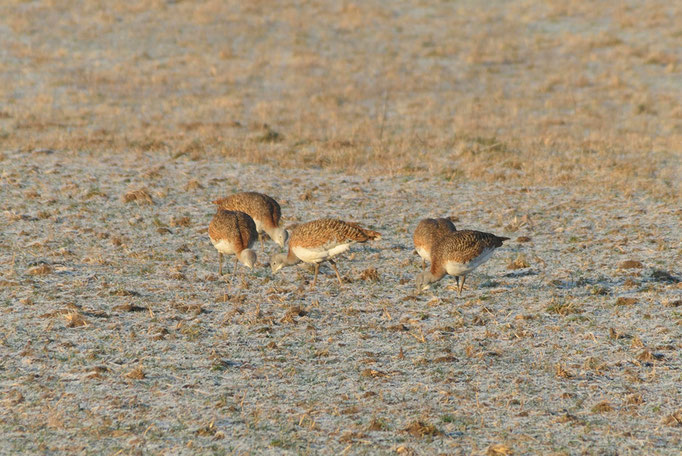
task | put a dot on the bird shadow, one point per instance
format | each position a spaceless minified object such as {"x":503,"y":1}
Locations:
{"x":524,"y":273}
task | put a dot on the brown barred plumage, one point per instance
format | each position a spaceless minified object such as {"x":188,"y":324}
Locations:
{"x":426,"y":234}
{"x":233,"y":232}
{"x":320,"y":240}
{"x":458,"y":253}
{"x":329,"y":231}
{"x":263,"y":209}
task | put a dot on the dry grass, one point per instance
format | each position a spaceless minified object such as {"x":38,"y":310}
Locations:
{"x":631,"y":264}
{"x":140,"y":196}
{"x":674,"y":419}
{"x":526,"y":93}
{"x":43,"y":269}
{"x":556,"y":124}
{"x":499,"y":450}
{"x":124,"y":338}
{"x":422,"y":429}
{"x":520,"y":262}
{"x":75,"y":320}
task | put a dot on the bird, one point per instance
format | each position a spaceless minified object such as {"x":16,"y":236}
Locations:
{"x":321,"y":240}
{"x":457,"y":254}
{"x":233,"y":232}
{"x":427,"y":232}
{"x":264,"y":211}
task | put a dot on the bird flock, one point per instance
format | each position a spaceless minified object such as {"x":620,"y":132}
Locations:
{"x":243,"y":218}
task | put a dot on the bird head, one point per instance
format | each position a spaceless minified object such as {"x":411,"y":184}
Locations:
{"x":280,"y":236}
{"x":248,"y":258}
{"x":277,"y":262}
{"x":424,"y":279}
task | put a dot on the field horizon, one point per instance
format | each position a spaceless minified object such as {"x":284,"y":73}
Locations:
{"x":534,"y":93}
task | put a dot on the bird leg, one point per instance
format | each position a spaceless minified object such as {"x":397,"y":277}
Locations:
{"x":461,"y":286}
{"x":234,"y":270}
{"x":317,"y":269}
{"x":457,"y":281}
{"x":423,"y":264}
{"x":220,"y":264}
{"x":338,"y":276}
{"x":260,"y":238}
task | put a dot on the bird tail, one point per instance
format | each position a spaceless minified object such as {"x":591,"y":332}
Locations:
{"x":371,"y":235}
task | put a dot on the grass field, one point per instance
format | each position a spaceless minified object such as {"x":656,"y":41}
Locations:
{"x":557,"y":124}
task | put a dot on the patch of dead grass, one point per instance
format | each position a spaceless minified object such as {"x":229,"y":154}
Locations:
{"x":499,"y":449}
{"x":42,"y":269}
{"x":631,"y":264}
{"x":648,"y":356}
{"x":562,"y":307}
{"x":603,"y":407}
{"x":128,"y":307}
{"x":13,"y":397}
{"x":210,"y":430}
{"x":519,"y":262}
{"x":75,"y":320}
{"x":373,"y":373}
{"x":351,"y":436}
{"x":136,"y":373}
{"x":372,"y":123}
{"x":378,"y":424}
{"x":370,"y":274}
{"x":193,"y":184}
{"x":421,"y":428}
{"x":561,"y":371}
{"x":292,"y":313}
{"x":139,"y":196}
{"x":674,"y":419}
{"x":180,"y":221}
{"x":624,"y":301}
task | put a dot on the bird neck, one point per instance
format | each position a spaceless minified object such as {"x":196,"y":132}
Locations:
{"x":275,"y":233}
{"x":241,"y":256}
{"x":291,"y":258}
{"x":436,"y":273}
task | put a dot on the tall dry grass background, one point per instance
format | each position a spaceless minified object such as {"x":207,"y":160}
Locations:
{"x":542,"y":93}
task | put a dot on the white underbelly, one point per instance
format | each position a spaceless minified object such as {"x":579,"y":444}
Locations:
{"x":223,"y":246}
{"x":458,"y":269}
{"x":317,"y":255}
{"x":425,"y":254}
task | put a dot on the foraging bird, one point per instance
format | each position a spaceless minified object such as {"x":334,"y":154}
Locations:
{"x":264,"y":211}
{"x":321,"y":240}
{"x":233,"y":232}
{"x":427,"y":233}
{"x":457,"y":254}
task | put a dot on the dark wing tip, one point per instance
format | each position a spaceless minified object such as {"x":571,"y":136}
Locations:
{"x":500,"y":240}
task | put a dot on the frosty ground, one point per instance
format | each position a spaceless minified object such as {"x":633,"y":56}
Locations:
{"x":119,"y":337}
